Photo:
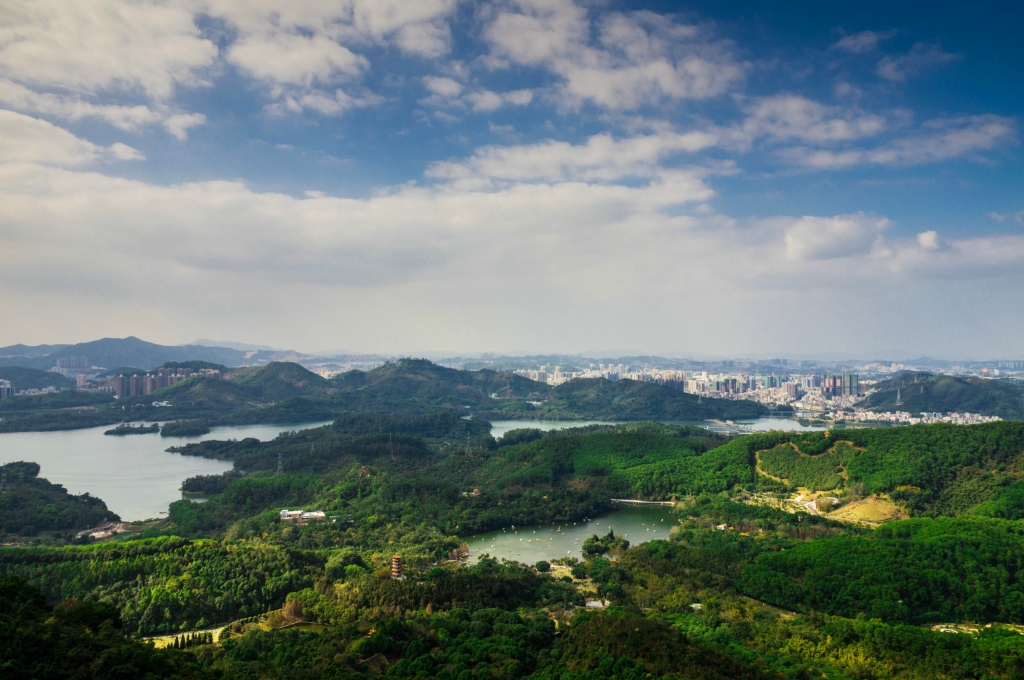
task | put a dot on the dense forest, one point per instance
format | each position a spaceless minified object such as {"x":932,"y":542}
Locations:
{"x":745,"y":586}
{"x":927,"y":392}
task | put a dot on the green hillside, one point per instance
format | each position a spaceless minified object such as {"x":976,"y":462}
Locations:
{"x":936,"y":469}
{"x":925,"y":392}
{"x":34,"y":506}
{"x":31,"y":378}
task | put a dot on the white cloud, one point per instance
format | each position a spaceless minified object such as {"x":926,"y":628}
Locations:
{"x":937,"y":140}
{"x":425,"y":40}
{"x":446,"y":87}
{"x":412,"y":262}
{"x":920,"y":57}
{"x":601,"y":158}
{"x":638,"y":58}
{"x":843,"y":236}
{"x":323,"y":102}
{"x":485,"y":100}
{"x":96,"y":45}
{"x":784,"y":117}
{"x":929,"y":240}
{"x":290,"y":59}
{"x":179,"y":124}
{"x":1017,"y":217}
{"x":299,"y":47}
{"x":859,"y":43}
{"x":24,"y":139}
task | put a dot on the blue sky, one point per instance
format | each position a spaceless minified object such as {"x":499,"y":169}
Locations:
{"x":715,"y":178}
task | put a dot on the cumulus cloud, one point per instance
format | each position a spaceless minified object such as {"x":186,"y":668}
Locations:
{"x":636,"y":59}
{"x":859,"y":43}
{"x":24,"y":139}
{"x":921,"y":57}
{"x":843,"y":236}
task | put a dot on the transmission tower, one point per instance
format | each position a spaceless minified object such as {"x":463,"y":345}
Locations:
{"x":391,"y":445}
{"x":4,"y":486}
{"x":280,"y":466}
{"x":467,"y":444}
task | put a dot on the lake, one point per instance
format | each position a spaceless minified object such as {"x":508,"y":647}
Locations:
{"x":133,"y":474}
{"x":500,"y":427}
{"x":637,"y":524}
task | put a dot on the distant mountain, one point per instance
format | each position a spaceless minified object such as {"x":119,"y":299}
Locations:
{"x":128,"y":352}
{"x":926,"y":392}
{"x":33,"y":379}
{"x":30,"y":351}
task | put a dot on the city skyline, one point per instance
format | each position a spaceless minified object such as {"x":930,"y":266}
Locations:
{"x":446,"y":177}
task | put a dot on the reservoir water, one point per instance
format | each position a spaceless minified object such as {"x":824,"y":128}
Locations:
{"x":637,"y":524}
{"x":500,"y":427}
{"x":133,"y":474}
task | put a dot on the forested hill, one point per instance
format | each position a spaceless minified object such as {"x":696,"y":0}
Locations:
{"x":34,"y":506}
{"x":926,"y":392}
{"x":597,"y":398}
{"x":287,"y":392}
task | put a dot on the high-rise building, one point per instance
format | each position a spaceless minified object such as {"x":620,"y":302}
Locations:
{"x":81,"y":382}
{"x":6,"y":389}
{"x":135,"y":386}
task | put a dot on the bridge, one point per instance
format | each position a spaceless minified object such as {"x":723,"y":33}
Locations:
{"x":631,"y":501}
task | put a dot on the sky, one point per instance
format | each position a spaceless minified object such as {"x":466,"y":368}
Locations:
{"x":717,"y":178}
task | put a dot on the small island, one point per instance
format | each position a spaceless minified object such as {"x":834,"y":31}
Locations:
{"x":185,"y":428}
{"x":125,"y":428}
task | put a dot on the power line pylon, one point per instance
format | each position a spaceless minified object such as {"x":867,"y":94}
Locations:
{"x":4,"y":486}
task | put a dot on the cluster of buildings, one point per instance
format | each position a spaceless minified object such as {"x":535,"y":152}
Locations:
{"x":8,"y":390}
{"x":139,"y":384}
{"x":554,"y":375}
{"x":904,"y":418}
{"x":72,"y":367}
{"x":301,"y":517}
